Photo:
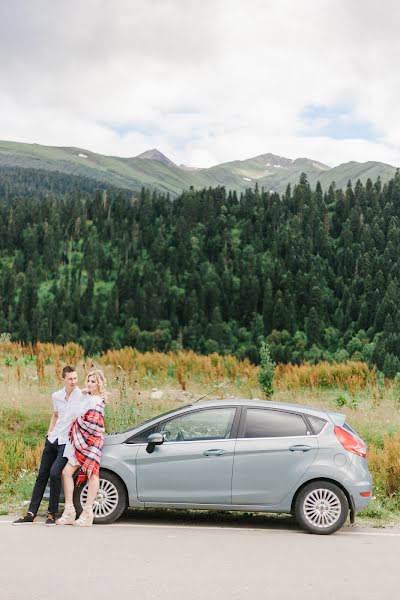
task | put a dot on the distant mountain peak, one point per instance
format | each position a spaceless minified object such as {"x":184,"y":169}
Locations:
{"x":270,"y":160}
{"x":155,"y":154}
{"x":273,"y":157}
{"x":308,"y":162}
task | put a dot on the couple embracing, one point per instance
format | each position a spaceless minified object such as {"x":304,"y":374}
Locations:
{"x":73,"y":442}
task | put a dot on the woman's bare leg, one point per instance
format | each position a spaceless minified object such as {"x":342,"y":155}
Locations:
{"x":69,"y":514}
{"x":93,"y":488}
{"x":68,"y":482}
{"x":86,"y":518}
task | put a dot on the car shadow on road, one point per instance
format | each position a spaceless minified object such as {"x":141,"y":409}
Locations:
{"x":205,"y":518}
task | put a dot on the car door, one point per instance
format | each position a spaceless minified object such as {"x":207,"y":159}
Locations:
{"x":273,"y":451}
{"x":194,"y":464}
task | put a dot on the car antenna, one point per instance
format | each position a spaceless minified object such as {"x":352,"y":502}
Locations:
{"x":211,"y":391}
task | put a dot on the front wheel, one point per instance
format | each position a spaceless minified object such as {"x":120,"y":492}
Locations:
{"x":110,"y":502}
{"x":321,"y":507}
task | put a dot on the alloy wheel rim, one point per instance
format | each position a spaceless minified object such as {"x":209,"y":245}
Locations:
{"x":322,"y":508}
{"x":106,"y":500}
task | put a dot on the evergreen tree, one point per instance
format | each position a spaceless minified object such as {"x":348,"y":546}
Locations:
{"x":266,"y":372}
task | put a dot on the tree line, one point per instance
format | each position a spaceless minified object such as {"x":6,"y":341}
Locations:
{"x":315,"y":273}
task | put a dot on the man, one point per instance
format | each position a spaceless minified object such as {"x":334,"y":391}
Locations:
{"x":66,"y":404}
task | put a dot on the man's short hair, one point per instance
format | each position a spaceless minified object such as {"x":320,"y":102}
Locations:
{"x":66,"y":370}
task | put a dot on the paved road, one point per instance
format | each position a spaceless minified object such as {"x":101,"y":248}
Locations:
{"x":163,"y":558}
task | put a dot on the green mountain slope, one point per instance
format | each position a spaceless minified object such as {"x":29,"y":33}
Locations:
{"x":153,"y":170}
{"x":355,"y":170}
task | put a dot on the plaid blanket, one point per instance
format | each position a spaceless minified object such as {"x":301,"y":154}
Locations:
{"x":87,"y":437}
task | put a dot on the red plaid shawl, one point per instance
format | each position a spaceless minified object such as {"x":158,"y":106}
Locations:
{"x":87,"y":437}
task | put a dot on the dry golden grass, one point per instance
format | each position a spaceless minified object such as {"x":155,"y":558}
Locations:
{"x":353,"y":376}
{"x":184,"y":366}
{"x":15,"y":456}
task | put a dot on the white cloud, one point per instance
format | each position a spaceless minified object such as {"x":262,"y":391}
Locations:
{"x":205,"y":82}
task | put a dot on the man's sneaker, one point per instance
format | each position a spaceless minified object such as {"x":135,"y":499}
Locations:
{"x":50,"y":519}
{"x":28,"y":519}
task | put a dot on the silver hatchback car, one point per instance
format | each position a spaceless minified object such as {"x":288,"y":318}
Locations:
{"x":239,"y":455}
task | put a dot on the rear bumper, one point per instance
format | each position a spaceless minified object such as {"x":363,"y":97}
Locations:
{"x":361,"y":502}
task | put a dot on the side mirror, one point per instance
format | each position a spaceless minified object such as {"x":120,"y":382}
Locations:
{"x":154,"y":439}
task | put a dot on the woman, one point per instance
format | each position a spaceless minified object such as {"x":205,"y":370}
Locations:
{"x":83,"y":450}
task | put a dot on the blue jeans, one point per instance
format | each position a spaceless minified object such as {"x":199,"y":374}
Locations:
{"x":51,"y":466}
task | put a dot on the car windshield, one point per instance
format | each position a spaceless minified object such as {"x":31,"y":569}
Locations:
{"x":169,"y":412}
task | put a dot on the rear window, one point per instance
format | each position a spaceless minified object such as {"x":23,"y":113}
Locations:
{"x":317,"y":424}
{"x":273,"y":423}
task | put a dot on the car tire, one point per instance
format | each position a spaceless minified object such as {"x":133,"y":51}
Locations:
{"x":321,"y":507}
{"x":111,"y":501}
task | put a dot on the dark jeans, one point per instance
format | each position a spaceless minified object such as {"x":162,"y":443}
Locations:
{"x":51,"y":466}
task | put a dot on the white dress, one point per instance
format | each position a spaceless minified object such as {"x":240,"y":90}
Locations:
{"x":87,"y":403}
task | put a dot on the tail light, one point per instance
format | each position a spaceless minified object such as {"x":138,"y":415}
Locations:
{"x":350,"y":442}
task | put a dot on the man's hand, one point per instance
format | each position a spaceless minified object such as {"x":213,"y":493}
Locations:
{"x":52,"y":423}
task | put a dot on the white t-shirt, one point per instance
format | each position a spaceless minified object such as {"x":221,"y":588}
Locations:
{"x":88,"y":402}
{"x":67,"y":410}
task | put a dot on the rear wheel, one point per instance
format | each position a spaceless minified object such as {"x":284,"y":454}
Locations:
{"x":111,"y":500}
{"x":321,"y":507}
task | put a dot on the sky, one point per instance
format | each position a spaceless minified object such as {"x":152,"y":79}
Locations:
{"x":204,"y":81}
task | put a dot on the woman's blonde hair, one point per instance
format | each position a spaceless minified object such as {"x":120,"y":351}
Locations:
{"x":101,"y":381}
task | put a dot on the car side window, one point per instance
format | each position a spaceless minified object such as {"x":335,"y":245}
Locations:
{"x":141,"y":437}
{"x":266,"y":423}
{"x":213,"y":424}
{"x":317,"y":424}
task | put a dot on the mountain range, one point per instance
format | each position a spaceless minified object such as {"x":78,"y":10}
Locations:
{"x":154,"y":170}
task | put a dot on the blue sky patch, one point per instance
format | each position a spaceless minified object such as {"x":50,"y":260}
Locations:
{"x":337,"y":122}
{"x":122,"y":129}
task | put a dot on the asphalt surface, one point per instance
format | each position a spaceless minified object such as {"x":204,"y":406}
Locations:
{"x":149,"y":557}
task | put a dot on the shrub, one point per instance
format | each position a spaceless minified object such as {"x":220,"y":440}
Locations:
{"x":267,"y":370}
{"x":384,"y":464}
{"x":342,"y":400}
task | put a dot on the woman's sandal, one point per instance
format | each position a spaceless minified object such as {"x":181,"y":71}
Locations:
{"x":86,"y":518}
{"x":68,"y":516}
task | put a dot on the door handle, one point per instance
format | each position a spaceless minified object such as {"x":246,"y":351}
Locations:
{"x":299,"y":448}
{"x":214,"y":452}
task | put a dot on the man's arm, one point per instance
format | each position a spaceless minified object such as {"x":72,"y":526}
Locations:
{"x":53,"y":421}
